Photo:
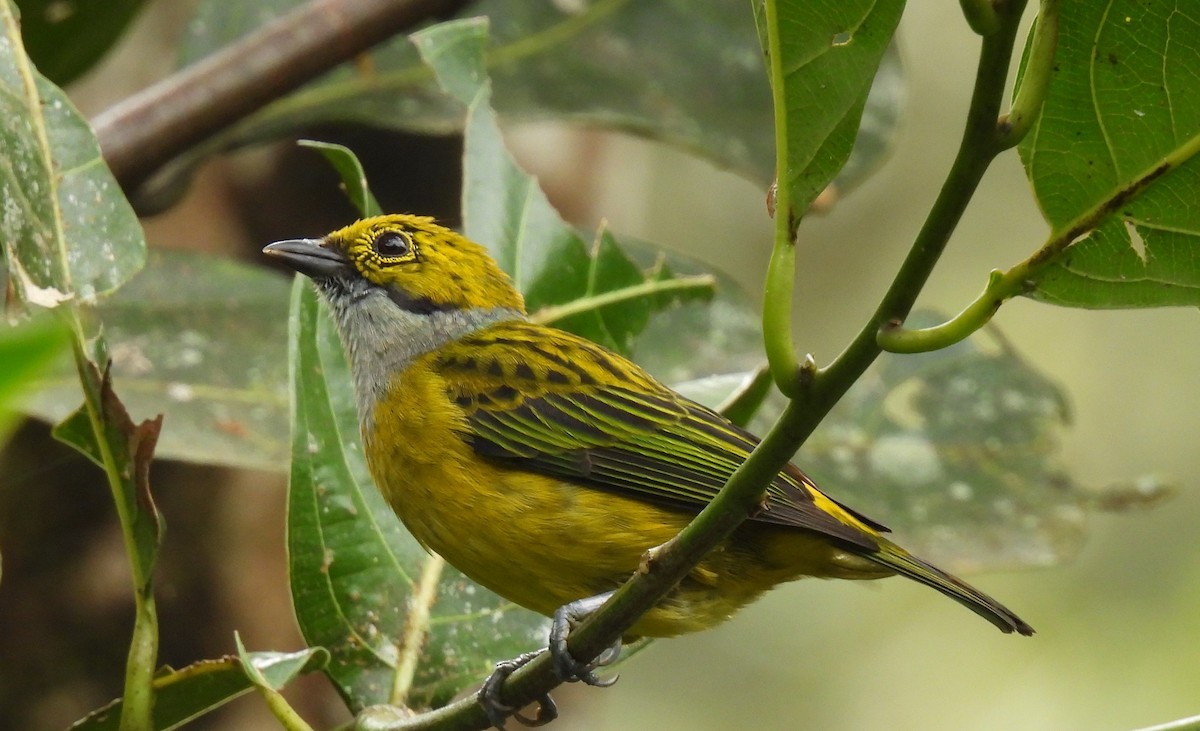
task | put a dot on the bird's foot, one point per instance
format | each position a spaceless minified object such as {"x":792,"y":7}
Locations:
{"x":498,"y":711}
{"x":565,"y":664}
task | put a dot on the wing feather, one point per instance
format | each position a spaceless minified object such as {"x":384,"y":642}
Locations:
{"x":538,"y":399}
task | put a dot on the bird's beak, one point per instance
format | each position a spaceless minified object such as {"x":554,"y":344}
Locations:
{"x":308,"y":257}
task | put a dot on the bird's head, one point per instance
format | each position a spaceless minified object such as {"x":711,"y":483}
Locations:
{"x":421,"y":267}
{"x":400,"y":286}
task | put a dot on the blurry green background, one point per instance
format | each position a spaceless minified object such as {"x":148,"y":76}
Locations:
{"x":1118,"y":629}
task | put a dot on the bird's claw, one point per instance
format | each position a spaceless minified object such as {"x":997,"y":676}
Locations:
{"x":498,"y":711}
{"x":565,"y":664}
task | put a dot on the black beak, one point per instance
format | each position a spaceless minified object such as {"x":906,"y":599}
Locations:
{"x":309,"y":257}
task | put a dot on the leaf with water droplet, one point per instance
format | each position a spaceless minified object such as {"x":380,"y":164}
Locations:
{"x":66,"y":229}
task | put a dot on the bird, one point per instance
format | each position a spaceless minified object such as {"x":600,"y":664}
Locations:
{"x":542,"y":465}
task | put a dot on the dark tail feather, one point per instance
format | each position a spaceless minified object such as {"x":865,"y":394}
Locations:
{"x":904,"y":563}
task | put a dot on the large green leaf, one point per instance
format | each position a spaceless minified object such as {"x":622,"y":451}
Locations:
{"x":355,"y":571}
{"x":183,"y":695}
{"x":689,"y":74}
{"x":504,"y":209}
{"x":65,"y":39}
{"x":826,"y":57}
{"x":66,"y":229}
{"x":1116,"y":144}
{"x":202,"y":340}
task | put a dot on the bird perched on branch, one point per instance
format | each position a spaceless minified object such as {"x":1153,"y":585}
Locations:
{"x":543,"y":465}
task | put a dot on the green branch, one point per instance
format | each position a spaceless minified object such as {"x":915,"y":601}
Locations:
{"x":981,"y":16}
{"x":781,"y":272}
{"x":978,"y":147}
{"x":975,"y":153}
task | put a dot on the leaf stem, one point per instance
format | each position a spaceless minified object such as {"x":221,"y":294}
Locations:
{"x":1035,"y":82}
{"x":896,"y":339}
{"x":978,"y":147}
{"x":781,"y":272}
{"x":280,"y":708}
{"x":1003,"y":286}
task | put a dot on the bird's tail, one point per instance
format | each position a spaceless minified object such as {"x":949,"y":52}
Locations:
{"x":902,"y":562}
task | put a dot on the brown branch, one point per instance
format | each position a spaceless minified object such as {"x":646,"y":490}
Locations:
{"x":142,"y":133}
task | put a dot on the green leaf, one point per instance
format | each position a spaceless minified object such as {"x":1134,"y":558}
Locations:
{"x":827,"y":56}
{"x":183,"y":695}
{"x":65,"y":39}
{"x":25,"y":353}
{"x":67,"y":231}
{"x":200,"y":339}
{"x":959,"y":451}
{"x":1112,"y":158}
{"x":608,"y":298}
{"x":687,"y":74}
{"x":355,"y":570}
{"x":504,"y":209}
{"x":354,"y":180}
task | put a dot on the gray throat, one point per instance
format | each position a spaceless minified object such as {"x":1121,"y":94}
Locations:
{"x":382,"y":339}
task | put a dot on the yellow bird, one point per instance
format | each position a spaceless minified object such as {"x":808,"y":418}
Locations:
{"x":543,"y":465}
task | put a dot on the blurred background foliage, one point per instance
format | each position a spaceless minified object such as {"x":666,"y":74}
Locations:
{"x":1115,"y":624}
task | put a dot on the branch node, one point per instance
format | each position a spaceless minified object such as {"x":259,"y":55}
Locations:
{"x":650,"y":558}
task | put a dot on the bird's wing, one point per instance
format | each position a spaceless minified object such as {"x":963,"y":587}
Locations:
{"x":549,"y":402}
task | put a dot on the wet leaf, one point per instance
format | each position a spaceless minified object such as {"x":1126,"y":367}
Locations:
{"x":67,"y":231}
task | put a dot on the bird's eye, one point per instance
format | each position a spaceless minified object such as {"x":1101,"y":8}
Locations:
{"x":393,"y":244}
